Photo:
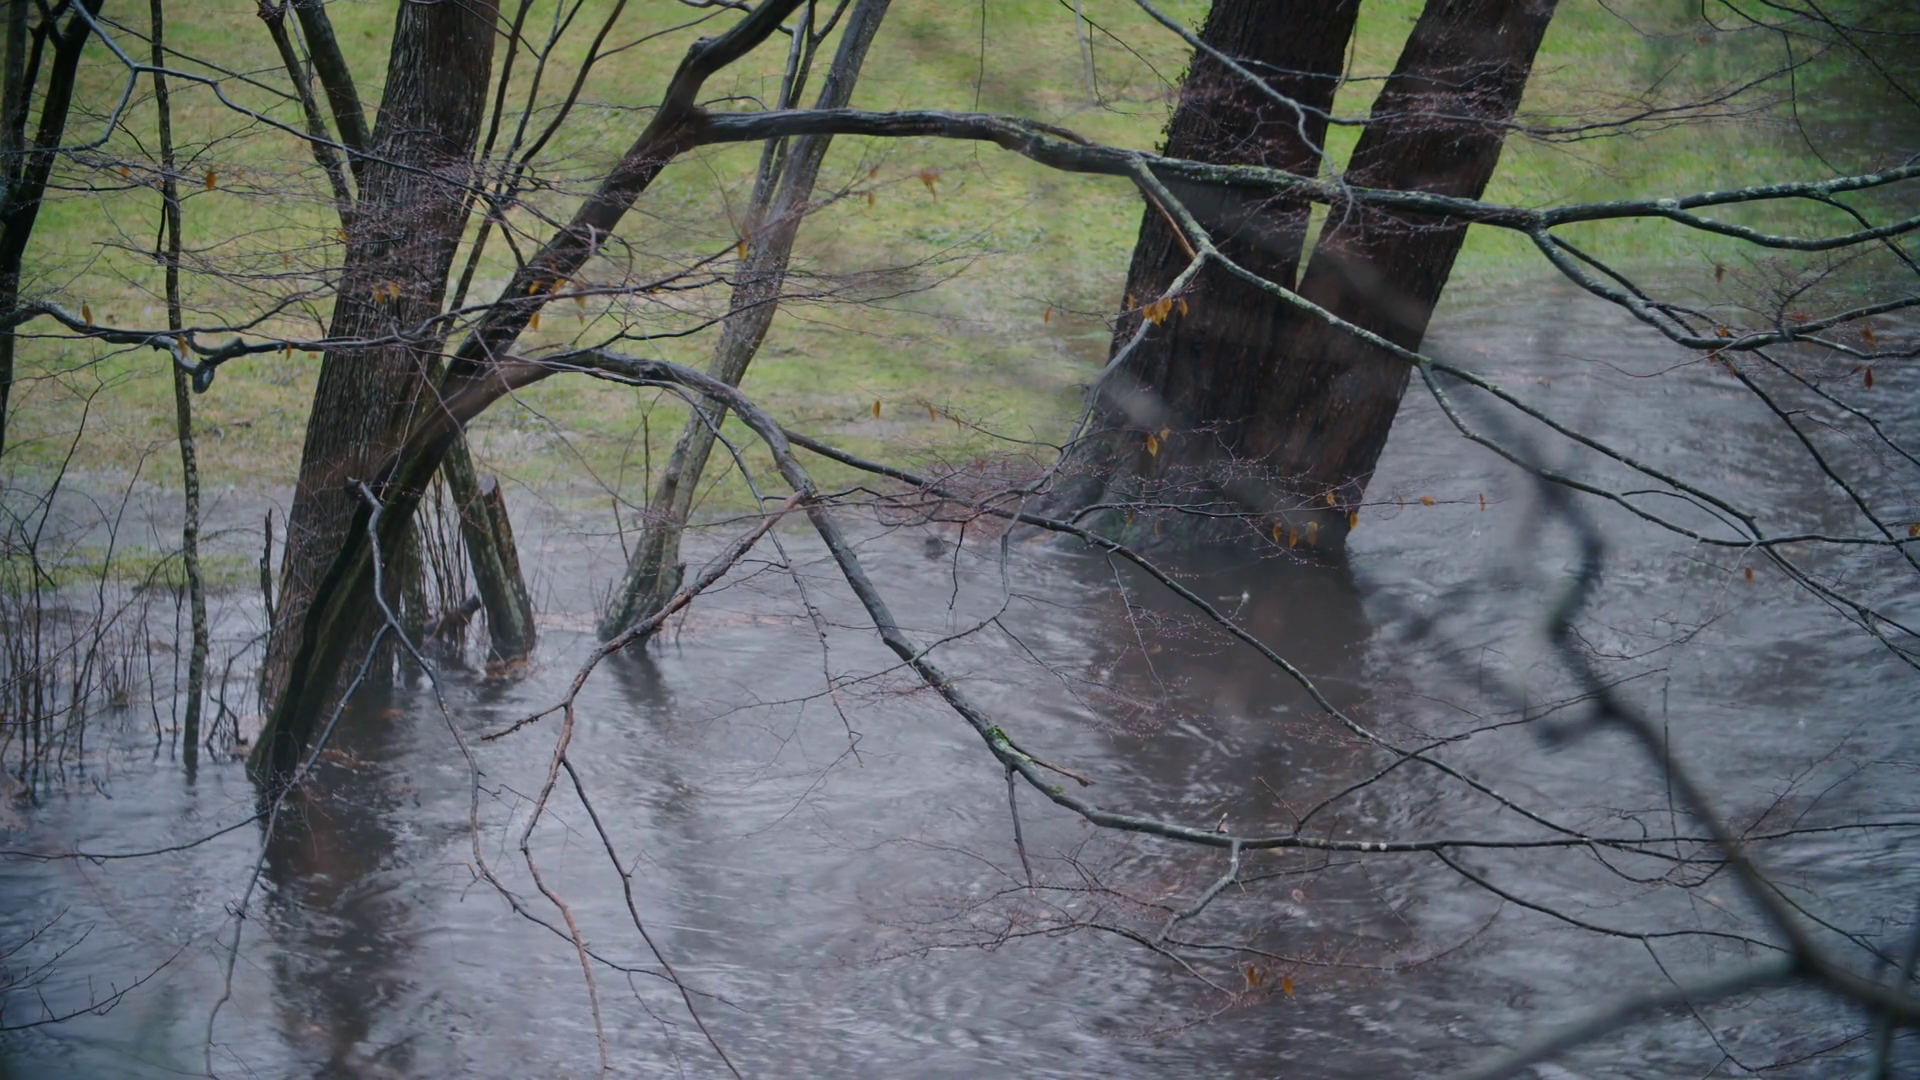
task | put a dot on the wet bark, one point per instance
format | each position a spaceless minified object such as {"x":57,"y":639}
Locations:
{"x":1239,"y":400}
{"x":1195,"y":374}
{"x":24,"y":168}
{"x":401,"y":240}
{"x":487,"y":533}
{"x":1327,"y":404}
{"x":781,"y":194}
{"x":341,"y":602}
{"x":182,"y":406}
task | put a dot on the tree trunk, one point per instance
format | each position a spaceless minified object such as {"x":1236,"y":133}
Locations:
{"x":780,"y":198}
{"x":24,"y":169}
{"x":487,"y":533}
{"x":1324,"y":410}
{"x":182,"y":405}
{"x":401,"y":241}
{"x":1194,"y":375}
{"x":475,"y":378}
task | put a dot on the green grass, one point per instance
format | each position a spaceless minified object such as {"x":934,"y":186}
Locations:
{"x":980,"y":261}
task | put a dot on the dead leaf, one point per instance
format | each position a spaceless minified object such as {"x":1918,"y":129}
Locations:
{"x":1329,"y":497}
{"x":1313,"y":534}
{"x":86,"y":314}
{"x":1153,"y":446}
{"x":876,"y":408}
{"x":1719,"y":272}
{"x":1426,"y":500}
{"x":928,"y":174}
{"x":1749,"y":574}
{"x":1353,"y":520}
{"x":1254,"y":977}
{"x":1866,"y":335}
{"x":1869,"y":378}
{"x":1483,"y":502}
{"x":1048,"y":317}
{"x":534,"y":322}
{"x":213,"y":178}
{"x":1286,"y":985}
{"x":930,"y":413}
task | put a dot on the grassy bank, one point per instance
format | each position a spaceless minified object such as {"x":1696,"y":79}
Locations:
{"x":973,"y":303}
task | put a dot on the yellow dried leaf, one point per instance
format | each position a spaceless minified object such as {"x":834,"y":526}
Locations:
{"x":1048,"y":317}
{"x":86,"y":314}
{"x":535,"y":286}
{"x":286,"y":348}
{"x":534,"y":322}
{"x":1286,"y":985}
{"x":1253,"y":977}
{"x":1426,"y":500}
{"x":213,"y":178}
{"x":558,"y":284}
{"x":1749,"y":575}
{"x":1353,"y":520}
{"x":1153,"y":445}
{"x":740,"y":248}
{"x":1723,"y":331}
{"x":579,"y":300}
{"x":1276,"y":533}
{"x":1914,"y":529}
{"x":876,"y":408}
{"x":1293,"y":536}
{"x":1313,"y":534}
{"x":1156,"y":312}
{"x":342,"y":233}
{"x":869,"y":196}
{"x":1329,"y":497}
{"x":931,"y":415}
{"x":126,"y":173}
{"x":1183,"y":305}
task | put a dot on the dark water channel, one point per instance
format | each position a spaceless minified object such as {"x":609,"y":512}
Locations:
{"x":836,"y":872}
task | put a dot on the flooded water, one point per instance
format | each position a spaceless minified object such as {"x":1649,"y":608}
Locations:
{"x":826,"y":856}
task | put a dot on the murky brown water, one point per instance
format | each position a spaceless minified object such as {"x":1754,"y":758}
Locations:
{"x":837,"y":870}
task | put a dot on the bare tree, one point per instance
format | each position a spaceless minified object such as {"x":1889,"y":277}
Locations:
{"x":1301,"y":379}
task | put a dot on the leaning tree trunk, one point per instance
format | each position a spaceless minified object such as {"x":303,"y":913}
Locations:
{"x":1194,"y":374}
{"x":1325,"y":408}
{"x":401,"y":240}
{"x":782,"y":190}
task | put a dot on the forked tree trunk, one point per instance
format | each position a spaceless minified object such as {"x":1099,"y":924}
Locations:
{"x":1243,"y":400}
{"x":1195,"y":374}
{"x":406,"y":225}
{"x":1326,"y":407}
{"x":781,"y":194}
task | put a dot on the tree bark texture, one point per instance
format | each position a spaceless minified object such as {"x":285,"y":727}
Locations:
{"x":1195,"y":374}
{"x":401,"y":242}
{"x":1327,"y":402}
{"x":779,"y":203}
{"x":24,"y":168}
{"x":341,"y":602}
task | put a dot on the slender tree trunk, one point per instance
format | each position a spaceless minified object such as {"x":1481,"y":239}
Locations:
{"x":781,"y":194}
{"x":26,"y":168}
{"x":401,"y":241}
{"x":182,"y":405}
{"x":1325,"y":408}
{"x":1190,"y":384}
